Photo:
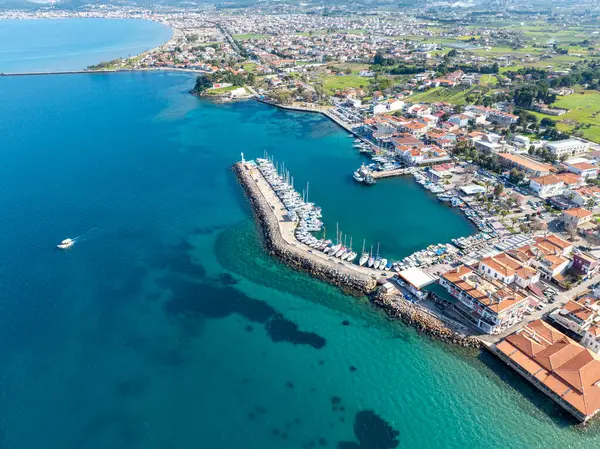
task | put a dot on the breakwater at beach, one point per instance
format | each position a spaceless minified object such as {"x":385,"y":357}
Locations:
{"x":352,"y":279}
{"x":424,"y":321}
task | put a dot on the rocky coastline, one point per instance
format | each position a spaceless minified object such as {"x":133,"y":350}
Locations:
{"x":397,"y":307}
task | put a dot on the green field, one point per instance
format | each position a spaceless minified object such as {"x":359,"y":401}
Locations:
{"x":454,"y":95}
{"x":221,"y":90}
{"x":584,"y":108}
{"x":352,"y":66}
{"x":249,"y":67}
{"x":332,"y":83}
{"x":488,"y":80}
{"x":244,"y":37}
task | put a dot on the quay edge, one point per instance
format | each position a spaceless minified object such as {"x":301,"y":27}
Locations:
{"x":354,"y":284}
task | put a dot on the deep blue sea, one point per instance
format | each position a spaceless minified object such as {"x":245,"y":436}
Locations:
{"x":73,"y":44}
{"x":168,"y":326}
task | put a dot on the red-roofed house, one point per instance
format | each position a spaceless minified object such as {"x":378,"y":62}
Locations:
{"x":574,"y":218}
{"x":584,"y":169}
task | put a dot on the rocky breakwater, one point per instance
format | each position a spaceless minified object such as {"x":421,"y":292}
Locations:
{"x":297,"y":255}
{"x":424,"y":321}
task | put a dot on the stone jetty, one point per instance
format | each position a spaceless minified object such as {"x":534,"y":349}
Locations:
{"x":424,"y":321}
{"x":358,"y":281}
{"x":350,"y":280}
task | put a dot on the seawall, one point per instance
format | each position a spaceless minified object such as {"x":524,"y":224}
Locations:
{"x":357,"y":281}
{"x":354,"y":283}
{"x":424,"y":321}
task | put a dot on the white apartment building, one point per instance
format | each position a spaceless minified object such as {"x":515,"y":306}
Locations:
{"x":567,"y":147}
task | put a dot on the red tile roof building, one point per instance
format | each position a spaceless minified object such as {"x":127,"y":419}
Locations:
{"x":562,"y":369}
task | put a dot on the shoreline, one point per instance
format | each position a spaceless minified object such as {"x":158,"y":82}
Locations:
{"x":351,"y":279}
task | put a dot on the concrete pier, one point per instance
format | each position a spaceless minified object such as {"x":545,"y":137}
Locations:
{"x":390,"y":173}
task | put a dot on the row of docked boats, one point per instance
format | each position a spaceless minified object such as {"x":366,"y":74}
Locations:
{"x":362,"y":147}
{"x":426,"y":257}
{"x":472,"y":240}
{"x":427,"y":184}
{"x":298,"y":208}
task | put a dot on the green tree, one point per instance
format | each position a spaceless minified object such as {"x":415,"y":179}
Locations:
{"x":498,"y":189}
{"x":202,"y":83}
{"x":516,"y":176}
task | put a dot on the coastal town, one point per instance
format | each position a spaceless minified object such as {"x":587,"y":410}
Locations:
{"x":500,"y":122}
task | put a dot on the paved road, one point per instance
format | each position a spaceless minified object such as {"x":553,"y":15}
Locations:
{"x":561,"y":300}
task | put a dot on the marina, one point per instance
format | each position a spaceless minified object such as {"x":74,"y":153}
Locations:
{"x":328,"y":263}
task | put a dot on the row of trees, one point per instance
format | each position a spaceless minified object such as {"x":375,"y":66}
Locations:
{"x":525,"y":95}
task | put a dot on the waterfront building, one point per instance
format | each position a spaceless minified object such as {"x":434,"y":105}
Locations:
{"x":576,"y":217}
{"x":508,"y":270}
{"x":567,"y":147}
{"x":426,"y":155}
{"x":562,"y":369}
{"x":528,"y":165}
{"x":488,"y":303}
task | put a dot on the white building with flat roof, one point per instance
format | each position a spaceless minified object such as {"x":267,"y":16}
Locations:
{"x":567,"y":147}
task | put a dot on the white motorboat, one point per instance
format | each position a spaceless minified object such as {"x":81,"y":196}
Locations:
{"x":66,"y":243}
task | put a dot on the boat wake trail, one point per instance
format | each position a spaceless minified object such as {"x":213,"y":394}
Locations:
{"x":83,"y":236}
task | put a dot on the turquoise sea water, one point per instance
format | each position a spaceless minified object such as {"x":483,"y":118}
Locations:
{"x":167,"y":325}
{"x":73,"y":44}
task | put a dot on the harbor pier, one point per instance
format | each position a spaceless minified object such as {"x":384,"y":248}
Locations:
{"x":280,"y":240}
{"x":278,"y":231}
{"x":390,"y":173}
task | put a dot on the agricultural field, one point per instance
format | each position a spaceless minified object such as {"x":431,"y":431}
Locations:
{"x":245,"y":37}
{"x":355,"y":67}
{"x":249,"y":67}
{"x":488,"y":80}
{"x":332,"y":83}
{"x":454,"y":95}
{"x":583,"y":115}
